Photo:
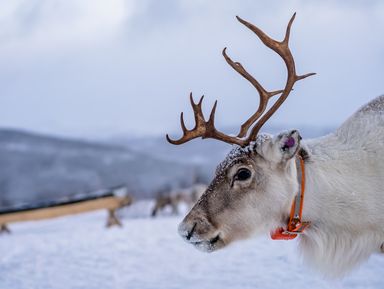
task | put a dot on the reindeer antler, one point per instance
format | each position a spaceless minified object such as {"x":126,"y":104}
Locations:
{"x":206,"y":129}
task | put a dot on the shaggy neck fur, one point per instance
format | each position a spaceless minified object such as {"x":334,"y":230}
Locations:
{"x":345,"y":193}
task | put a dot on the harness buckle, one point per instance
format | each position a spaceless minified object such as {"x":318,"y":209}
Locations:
{"x":296,"y":226}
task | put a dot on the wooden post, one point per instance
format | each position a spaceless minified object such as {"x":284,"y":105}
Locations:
{"x":4,"y":229}
{"x":113,"y":219}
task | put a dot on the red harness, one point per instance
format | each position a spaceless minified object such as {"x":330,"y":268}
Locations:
{"x":295,"y":226}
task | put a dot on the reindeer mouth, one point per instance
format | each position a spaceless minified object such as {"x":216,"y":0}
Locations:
{"x":210,"y":245}
{"x":202,"y":235}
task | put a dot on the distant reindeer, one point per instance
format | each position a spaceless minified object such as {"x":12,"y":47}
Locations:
{"x":259,"y":187}
{"x":187,"y":196}
{"x":162,"y":201}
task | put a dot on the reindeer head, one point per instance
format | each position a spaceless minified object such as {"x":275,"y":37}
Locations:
{"x":256,"y":183}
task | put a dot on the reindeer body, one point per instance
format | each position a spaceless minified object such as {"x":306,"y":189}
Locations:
{"x":345,"y":192}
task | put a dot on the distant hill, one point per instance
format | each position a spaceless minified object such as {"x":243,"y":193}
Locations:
{"x":38,"y":168}
{"x":35,"y":167}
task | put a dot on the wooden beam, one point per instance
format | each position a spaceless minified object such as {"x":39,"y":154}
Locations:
{"x":110,"y":203}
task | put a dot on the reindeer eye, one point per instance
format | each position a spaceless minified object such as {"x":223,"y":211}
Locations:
{"x":243,"y":174}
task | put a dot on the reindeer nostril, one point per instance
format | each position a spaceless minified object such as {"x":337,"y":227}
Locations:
{"x":214,"y":240}
{"x":190,"y":233}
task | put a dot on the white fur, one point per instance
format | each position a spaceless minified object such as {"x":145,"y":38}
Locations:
{"x":345,"y":193}
{"x":344,"y":199}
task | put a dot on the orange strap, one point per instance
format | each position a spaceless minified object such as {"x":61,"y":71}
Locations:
{"x":295,"y":226}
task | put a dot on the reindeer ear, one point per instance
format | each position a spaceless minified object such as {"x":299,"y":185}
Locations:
{"x":287,"y":144}
{"x":279,"y":148}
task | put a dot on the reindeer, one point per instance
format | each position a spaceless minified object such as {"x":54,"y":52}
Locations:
{"x":162,"y":202}
{"x":259,"y":187}
{"x":187,"y":196}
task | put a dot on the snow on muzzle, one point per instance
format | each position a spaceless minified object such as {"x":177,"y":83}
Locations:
{"x":198,"y":231}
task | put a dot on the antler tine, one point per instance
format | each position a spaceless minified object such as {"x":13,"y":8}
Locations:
{"x":211,"y":120}
{"x":281,"y":48}
{"x":197,"y":111}
{"x":183,"y":127}
{"x":288,"y":30}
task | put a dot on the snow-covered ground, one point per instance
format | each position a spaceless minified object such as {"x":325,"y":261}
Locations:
{"x":78,"y":252}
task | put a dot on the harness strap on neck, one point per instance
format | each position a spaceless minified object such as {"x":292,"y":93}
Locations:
{"x":295,"y":226}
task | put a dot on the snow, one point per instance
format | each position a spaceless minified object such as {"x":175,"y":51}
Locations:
{"x":78,"y":252}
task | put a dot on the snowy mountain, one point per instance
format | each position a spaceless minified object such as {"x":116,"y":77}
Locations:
{"x":36,"y":167}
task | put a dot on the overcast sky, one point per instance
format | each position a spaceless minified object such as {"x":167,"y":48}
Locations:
{"x":96,"y":67}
